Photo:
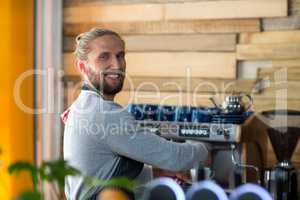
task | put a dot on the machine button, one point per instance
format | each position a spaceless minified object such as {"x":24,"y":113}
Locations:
{"x":226,"y":133}
{"x":220,"y":131}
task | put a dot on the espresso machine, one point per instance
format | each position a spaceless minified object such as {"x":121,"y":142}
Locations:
{"x":221,"y":126}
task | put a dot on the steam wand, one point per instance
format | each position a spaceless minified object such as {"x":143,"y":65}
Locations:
{"x":244,"y":166}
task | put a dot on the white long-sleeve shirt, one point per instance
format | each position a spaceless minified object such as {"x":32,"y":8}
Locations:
{"x":102,"y":140}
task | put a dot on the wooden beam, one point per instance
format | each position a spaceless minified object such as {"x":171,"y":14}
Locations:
{"x":286,"y":63}
{"x":284,"y":74}
{"x":166,"y":98}
{"x":281,"y":90}
{"x":169,"y":27}
{"x":281,"y":23}
{"x":268,"y":51}
{"x":218,"y":65}
{"x":270,"y":37}
{"x":199,"y":42}
{"x":69,"y":44}
{"x":167,"y":84}
{"x":113,"y":13}
{"x":227,"y":9}
{"x":176,"y":11}
{"x":261,"y":102}
{"x":68,"y":3}
{"x":69,"y":65}
{"x":250,"y":65}
{"x":176,"y":64}
{"x":294,"y":7}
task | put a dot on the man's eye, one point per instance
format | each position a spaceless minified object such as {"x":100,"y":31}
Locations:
{"x":104,"y":56}
{"x":121,"y":55}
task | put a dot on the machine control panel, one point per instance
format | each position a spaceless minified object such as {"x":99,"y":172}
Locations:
{"x":213,"y":132}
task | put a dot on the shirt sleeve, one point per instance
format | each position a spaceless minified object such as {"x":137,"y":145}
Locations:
{"x":125,"y":138}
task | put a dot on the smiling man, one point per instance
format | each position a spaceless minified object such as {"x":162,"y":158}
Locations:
{"x":100,"y":137}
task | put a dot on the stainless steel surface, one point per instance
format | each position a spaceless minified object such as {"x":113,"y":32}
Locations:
{"x":243,"y":166}
{"x":220,"y":136}
{"x":234,"y":104}
{"x":209,"y":132}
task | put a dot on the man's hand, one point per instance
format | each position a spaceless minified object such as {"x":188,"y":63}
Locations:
{"x":179,"y":177}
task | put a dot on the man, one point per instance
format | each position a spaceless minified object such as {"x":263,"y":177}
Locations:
{"x":100,"y":137}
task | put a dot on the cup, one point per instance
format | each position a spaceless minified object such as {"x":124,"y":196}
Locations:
{"x":136,"y":110}
{"x":166,"y":113}
{"x":201,"y":115}
{"x":150,"y":112}
{"x":184,"y":113}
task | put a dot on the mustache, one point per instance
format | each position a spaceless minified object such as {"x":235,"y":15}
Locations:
{"x":117,"y":72}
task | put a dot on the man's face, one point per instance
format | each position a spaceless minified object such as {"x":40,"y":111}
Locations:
{"x":106,"y":64}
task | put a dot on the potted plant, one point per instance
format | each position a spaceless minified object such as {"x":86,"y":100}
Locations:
{"x":54,"y":173}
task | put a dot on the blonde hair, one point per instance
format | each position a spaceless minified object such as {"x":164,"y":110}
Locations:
{"x":83,"y":40}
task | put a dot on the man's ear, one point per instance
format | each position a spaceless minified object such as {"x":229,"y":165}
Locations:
{"x":82,"y":66}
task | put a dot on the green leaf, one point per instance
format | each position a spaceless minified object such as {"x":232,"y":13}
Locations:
{"x":29,"y":195}
{"x":121,"y":182}
{"x":114,"y":182}
{"x":56,"y":171}
{"x":19,"y":166}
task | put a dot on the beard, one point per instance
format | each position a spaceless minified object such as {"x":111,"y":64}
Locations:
{"x":100,"y":82}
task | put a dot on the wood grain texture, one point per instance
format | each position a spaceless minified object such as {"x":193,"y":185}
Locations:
{"x":199,"y":42}
{"x":218,"y":65}
{"x":280,"y":74}
{"x":247,"y":69}
{"x":268,"y":51}
{"x":169,"y":27}
{"x":125,"y":97}
{"x":176,"y":11}
{"x":294,"y":7}
{"x":69,"y":64}
{"x":227,"y":9}
{"x":199,"y":99}
{"x":286,"y":63}
{"x":163,"y":98}
{"x":179,"y":84}
{"x":281,"y":23}
{"x":176,"y":64}
{"x":282,"y":90}
{"x":263,"y":104}
{"x":97,"y":2}
{"x":192,"y":85}
{"x":111,"y":13}
{"x":270,"y":37}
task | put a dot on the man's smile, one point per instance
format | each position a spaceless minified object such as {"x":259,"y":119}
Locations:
{"x":113,"y":77}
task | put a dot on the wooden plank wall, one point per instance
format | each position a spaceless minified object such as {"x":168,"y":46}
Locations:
{"x":192,"y":49}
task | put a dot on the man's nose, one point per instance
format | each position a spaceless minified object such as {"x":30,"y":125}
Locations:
{"x":115,"y":63}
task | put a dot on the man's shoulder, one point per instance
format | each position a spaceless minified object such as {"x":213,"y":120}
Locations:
{"x":91,"y":102}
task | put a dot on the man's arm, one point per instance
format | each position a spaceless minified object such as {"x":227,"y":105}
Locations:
{"x":142,"y":145}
